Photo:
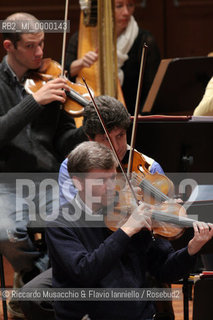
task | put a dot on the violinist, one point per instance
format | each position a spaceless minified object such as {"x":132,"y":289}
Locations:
{"x":117,"y":121}
{"x":34,"y":130}
{"x":85,"y":254}
{"x":130,"y":41}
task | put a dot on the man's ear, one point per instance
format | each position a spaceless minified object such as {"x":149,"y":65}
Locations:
{"x":78,"y":183}
{"x":8,"y":45}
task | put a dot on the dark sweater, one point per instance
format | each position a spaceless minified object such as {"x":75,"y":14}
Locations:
{"x":85,"y":257}
{"x":33,"y":138}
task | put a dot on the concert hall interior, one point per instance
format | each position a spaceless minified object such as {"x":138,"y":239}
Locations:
{"x":156,"y":58}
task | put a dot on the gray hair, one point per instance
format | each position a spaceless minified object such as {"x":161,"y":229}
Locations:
{"x":90,"y":155}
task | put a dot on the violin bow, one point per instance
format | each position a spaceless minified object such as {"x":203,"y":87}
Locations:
{"x":64,"y":38}
{"x":137,"y":104}
{"x":110,"y":142}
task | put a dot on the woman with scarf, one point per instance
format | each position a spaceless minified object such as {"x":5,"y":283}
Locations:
{"x":130,"y":40}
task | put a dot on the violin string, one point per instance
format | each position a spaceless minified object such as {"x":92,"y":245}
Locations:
{"x":135,"y":178}
{"x":171,"y":218}
{"x":147,"y":186}
{"x":64,"y":38}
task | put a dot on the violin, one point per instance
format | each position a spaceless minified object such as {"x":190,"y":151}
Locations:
{"x":77,"y":97}
{"x":156,"y":187}
{"x":169,"y":218}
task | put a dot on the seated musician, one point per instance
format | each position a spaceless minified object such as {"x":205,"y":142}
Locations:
{"x":86,"y":254}
{"x":117,"y":121}
{"x":130,"y":41}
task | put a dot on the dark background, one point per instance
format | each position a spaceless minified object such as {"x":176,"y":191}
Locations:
{"x":182,"y":28}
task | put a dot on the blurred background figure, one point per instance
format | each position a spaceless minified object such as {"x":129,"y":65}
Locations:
{"x":205,"y":107}
{"x":130,"y":41}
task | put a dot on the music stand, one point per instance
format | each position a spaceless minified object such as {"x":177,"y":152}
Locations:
{"x":178,"y":86}
{"x":202,"y":305}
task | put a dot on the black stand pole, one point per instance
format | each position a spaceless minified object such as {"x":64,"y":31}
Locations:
{"x":4,"y":303}
{"x":186,"y":297}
